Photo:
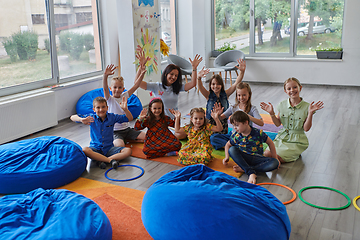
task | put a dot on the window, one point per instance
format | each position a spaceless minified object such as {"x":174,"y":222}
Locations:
{"x":38,"y":18}
{"x":28,"y":37}
{"x":267,"y":27}
{"x":168,"y":32}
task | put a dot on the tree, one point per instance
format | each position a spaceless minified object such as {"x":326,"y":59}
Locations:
{"x":328,"y":10}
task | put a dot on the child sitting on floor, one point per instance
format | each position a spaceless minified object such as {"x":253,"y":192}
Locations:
{"x":246,"y":148}
{"x":101,"y":133}
{"x":243,"y":103}
{"x":159,"y":140}
{"x":123,"y":131}
{"x":198,"y":148}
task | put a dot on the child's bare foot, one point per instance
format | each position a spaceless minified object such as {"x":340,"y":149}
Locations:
{"x":252,"y":178}
{"x":238,"y":169}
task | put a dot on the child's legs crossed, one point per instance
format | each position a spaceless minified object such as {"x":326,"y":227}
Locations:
{"x":95,"y":154}
{"x":264,"y":164}
{"x":241,"y":159}
{"x":118,"y":153}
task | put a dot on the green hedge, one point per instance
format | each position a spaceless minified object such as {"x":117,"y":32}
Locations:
{"x":10,"y":48}
{"x":26,"y":44}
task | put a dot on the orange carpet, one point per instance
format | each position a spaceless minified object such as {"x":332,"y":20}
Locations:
{"x":215,"y":164}
{"x":121,"y":205}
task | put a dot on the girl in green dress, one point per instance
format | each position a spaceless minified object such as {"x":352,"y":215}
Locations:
{"x":296,"y":117}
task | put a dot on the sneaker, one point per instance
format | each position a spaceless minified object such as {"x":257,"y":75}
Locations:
{"x":101,"y":165}
{"x":114,"y":164}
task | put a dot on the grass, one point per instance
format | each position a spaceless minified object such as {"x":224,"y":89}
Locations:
{"x":25,"y":71}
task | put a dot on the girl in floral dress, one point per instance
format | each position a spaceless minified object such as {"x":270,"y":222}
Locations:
{"x":198,"y":148}
{"x":159,"y":140}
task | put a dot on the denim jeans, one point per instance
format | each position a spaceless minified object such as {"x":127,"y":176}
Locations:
{"x":252,"y":163}
{"x":219,"y":140}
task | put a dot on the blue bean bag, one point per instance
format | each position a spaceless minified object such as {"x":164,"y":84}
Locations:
{"x":46,"y":162}
{"x":85,"y":103}
{"x":52,"y":214}
{"x":197,"y":202}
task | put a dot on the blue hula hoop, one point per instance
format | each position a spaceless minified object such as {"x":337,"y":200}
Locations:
{"x":124,"y":180}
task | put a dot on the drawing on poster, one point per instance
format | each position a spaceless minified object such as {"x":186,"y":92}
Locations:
{"x":149,"y":45}
{"x":146,"y":2}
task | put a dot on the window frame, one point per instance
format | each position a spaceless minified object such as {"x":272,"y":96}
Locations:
{"x":55,"y":79}
{"x":294,"y":15}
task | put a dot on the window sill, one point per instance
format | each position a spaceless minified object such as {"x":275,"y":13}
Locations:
{"x":52,"y":88}
{"x":296,"y":59}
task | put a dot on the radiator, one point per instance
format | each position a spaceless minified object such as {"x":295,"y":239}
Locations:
{"x":27,"y":114}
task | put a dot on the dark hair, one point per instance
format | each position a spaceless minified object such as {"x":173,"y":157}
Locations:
{"x":99,"y":100}
{"x":243,"y":85}
{"x":151,"y":116}
{"x":198,"y":110}
{"x":240,"y":117}
{"x":176,"y":86}
{"x":218,"y":79}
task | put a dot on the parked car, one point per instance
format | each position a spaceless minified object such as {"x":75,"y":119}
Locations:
{"x":300,"y":24}
{"x":319,"y":27}
{"x":166,"y":37}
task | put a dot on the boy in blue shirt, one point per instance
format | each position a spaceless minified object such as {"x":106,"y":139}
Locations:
{"x":101,"y":133}
{"x":246,"y":148}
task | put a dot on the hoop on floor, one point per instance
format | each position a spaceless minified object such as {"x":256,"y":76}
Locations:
{"x":277,"y":184}
{"x":354,"y":202}
{"x":325,"y":208}
{"x":124,"y":180}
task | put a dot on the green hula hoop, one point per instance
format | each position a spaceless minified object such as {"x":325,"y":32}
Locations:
{"x":325,"y":208}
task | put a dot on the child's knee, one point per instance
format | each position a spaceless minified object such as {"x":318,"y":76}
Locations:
{"x":127,"y":151}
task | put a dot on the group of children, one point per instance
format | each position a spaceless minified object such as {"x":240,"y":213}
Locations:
{"x":208,"y":129}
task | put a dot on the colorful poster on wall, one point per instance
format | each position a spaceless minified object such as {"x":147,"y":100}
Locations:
{"x":147,"y":35}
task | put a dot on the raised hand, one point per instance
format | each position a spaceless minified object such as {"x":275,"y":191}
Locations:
{"x":203,"y":72}
{"x":176,"y":113}
{"x":143,"y":113}
{"x":141,"y":56}
{"x":315,"y":106}
{"x":123,"y":103}
{"x":215,"y":113}
{"x":110,"y":70}
{"x":218,"y":108}
{"x":88,"y":120}
{"x":196,"y":61}
{"x":267,"y":107}
{"x":242,"y":65}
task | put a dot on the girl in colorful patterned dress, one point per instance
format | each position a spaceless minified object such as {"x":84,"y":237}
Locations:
{"x":159,"y":140}
{"x":296,"y":116}
{"x":198,"y":148}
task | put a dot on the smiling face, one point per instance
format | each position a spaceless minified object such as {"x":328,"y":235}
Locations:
{"x":242,"y":95}
{"x":215,"y":86}
{"x":172,"y":77}
{"x":100,"y":108}
{"x":292,"y":88}
{"x":198,"y":119}
{"x":156,"y":109}
{"x":117,"y":88}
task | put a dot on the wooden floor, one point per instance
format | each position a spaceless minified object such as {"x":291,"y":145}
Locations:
{"x":331,"y":160}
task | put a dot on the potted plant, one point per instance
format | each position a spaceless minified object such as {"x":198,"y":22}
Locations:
{"x":225,"y":47}
{"x":329,"y":52}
